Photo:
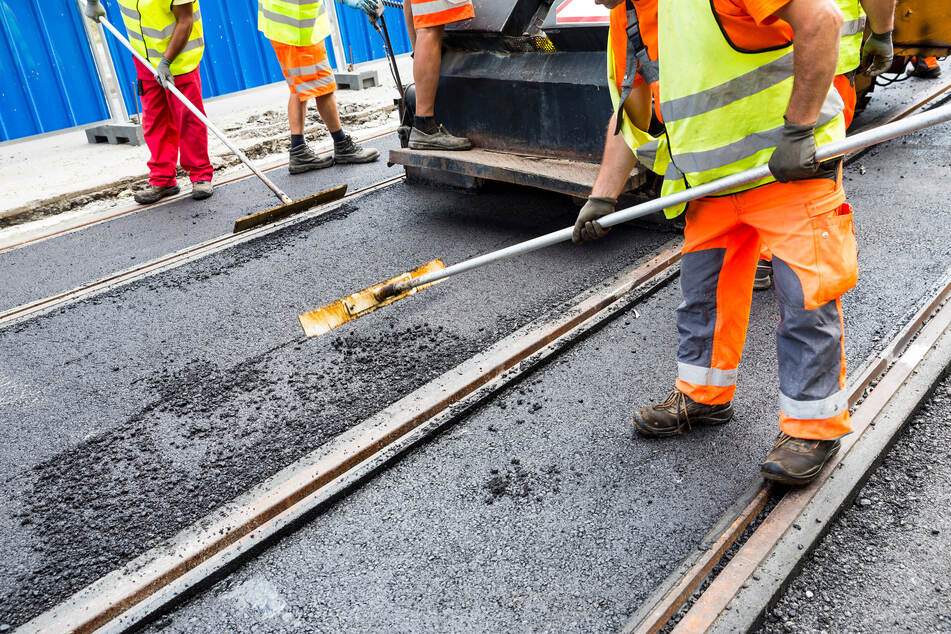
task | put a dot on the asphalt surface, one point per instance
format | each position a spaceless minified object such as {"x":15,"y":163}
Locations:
{"x":541,"y":511}
{"x":63,"y":263}
{"x":883,"y":567}
{"x":130,"y":415}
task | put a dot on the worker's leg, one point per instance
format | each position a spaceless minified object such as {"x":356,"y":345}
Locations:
{"x":303,"y":75}
{"x":808,"y":227}
{"x":408,"y":17}
{"x":296,"y":115}
{"x":716,"y":276}
{"x":429,"y":18}
{"x":161,"y":137}
{"x":193,"y":135}
{"x":926,"y":67}
{"x":327,"y":107}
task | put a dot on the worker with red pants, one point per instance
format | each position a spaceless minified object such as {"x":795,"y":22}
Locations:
{"x":872,"y":58}
{"x":169,"y":34}
{"x":426,"y":21}
{"x":749,"y":101}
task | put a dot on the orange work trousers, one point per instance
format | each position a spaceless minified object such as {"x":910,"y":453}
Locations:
{"x":808,"y":227}
{"x":306,"y":69}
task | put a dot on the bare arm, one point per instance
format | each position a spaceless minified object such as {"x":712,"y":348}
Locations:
{"x":881,"y":15}
{"x":816,"y":28}
{"x":184,"y":16}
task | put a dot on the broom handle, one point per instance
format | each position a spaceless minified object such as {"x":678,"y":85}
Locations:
{"x":198,"y":113}
{"x":838,"y":148}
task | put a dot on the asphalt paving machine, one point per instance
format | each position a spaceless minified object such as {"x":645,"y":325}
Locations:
{"x":525,"y":81}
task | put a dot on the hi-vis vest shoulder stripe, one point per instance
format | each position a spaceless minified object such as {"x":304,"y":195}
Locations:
{"x":853,"y":27}
{"x":150,"y":24}
{"x":294,"y":22}
{"x":725,"y":115}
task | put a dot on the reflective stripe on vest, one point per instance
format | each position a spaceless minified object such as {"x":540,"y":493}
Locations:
{"x":150,"y":25}
{"x":853,"y":27}
{"x":726,"y":115}
{"x":294,"y":22}
{"x":435,"y":6}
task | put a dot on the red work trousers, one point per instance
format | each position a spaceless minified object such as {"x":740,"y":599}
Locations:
{"x":171,"y":131}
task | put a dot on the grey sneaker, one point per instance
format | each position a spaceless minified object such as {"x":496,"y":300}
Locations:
{"x":154,"y":193}
{"x":439,"y":140}
{"x":350,"y":152}
{"x":201,"y":190}
{"x":304,"y":159}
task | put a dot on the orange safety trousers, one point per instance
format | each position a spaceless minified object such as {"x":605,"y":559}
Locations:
{"x":808,"y":227}
{"x":427,"y":13}
{"x":306,"y":69}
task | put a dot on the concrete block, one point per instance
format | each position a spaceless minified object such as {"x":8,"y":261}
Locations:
{"x":357,"y":81}
{"x":116,"y":133}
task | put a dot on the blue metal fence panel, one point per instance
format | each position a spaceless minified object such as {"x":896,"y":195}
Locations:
{"x":48,"y":78}
{"x":361,"y":43}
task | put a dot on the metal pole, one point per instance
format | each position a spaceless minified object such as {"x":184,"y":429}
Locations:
{"x":335,"y":39}
{"x":105,"y":68}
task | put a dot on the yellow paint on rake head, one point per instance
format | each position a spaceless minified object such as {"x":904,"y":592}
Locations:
{"x":336,"y":314}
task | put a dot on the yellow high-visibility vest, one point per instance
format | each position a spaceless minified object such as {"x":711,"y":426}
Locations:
{"x":293,"y":22}
{"x":853,"y":26}
{"x":150,"y":24}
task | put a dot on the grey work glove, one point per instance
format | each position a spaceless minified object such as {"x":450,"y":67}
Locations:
{"x":587,"y":227}
{"x":794,"y":158}
{"x":877,"y":54}
{"x":93,"y":10}
{"x":373,"y":8}
{"x":165,"y":77}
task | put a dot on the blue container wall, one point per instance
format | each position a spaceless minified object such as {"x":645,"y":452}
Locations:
{"x":40,"y":51}
{"x":238,"y":56}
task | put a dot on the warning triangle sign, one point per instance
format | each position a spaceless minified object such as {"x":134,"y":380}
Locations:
{"x":582,"y":12}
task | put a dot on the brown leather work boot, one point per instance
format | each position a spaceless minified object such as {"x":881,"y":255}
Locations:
{"x":677,"y":413}
{"x":797,"y":461}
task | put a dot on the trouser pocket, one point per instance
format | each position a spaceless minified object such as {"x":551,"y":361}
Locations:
{"x":836,"y":253}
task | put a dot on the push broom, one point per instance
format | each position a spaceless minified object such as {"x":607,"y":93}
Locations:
{"x":287,"y":207}
{"x":349,"y":308}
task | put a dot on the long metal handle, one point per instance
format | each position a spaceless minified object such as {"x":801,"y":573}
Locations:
{"x":201,"y":117}
{"x":849,"y":144}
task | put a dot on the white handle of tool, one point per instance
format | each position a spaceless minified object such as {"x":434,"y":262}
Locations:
{"x":849,"y":144}
{"x":201,"y":117}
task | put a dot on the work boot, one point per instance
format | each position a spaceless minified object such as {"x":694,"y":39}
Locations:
{"x":154,"y":193}
{"x":349,"y":152}
{"x":764,"y":275}
{"x":678,"y":413}
{"x":438,"y":140}
{"x":797,"y":461}
{"x":304,"y":159}
{"x":925,"y":67}
{"x":201,"y":190}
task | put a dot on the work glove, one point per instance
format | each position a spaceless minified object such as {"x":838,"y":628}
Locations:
{"x":373,"y":8}
{"x":794,"y":158}
{"x":587,"y":227}
{"x":164,"y":76}
{"x":93,"y":10}
{"x":877,"y":54}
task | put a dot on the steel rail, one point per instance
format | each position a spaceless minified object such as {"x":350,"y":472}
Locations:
{"x":126,"y":597}
{"x":178,"y":258}
{"x":656,"y":612}
{"x":135,"y":208}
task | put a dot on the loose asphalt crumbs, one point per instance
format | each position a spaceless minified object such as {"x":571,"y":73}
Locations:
{"x":131,"y":414}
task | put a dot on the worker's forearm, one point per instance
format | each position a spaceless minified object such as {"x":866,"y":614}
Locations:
{"x":816,"y":48}
{"x":183,"y":31}
{"x":881,"y":15}
{"x":616,"y":165}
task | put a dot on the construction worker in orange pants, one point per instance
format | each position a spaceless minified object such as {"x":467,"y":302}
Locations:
{"x":297,"y":29}
{"x":925,"y":67}
{"x":749,"y":101}
{"x":426,"y":20}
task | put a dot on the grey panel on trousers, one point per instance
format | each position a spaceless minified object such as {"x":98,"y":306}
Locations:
{"x":697,"y":315}
{"x":808,"y":342}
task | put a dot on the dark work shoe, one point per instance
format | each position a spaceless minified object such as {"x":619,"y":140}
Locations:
{"x":304,"y":159}
{"x":154,"y":193}
{"x":350,"y":152}
{"x":797,"y":461}
{"x":764,"y":275}
{"x":925,"y":67}
{"x":201,"y":190}
{"x":438,"y":140}
{"x":678,"y":413}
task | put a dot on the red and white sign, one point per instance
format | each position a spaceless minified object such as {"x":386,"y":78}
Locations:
{"x":582,"y":12}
